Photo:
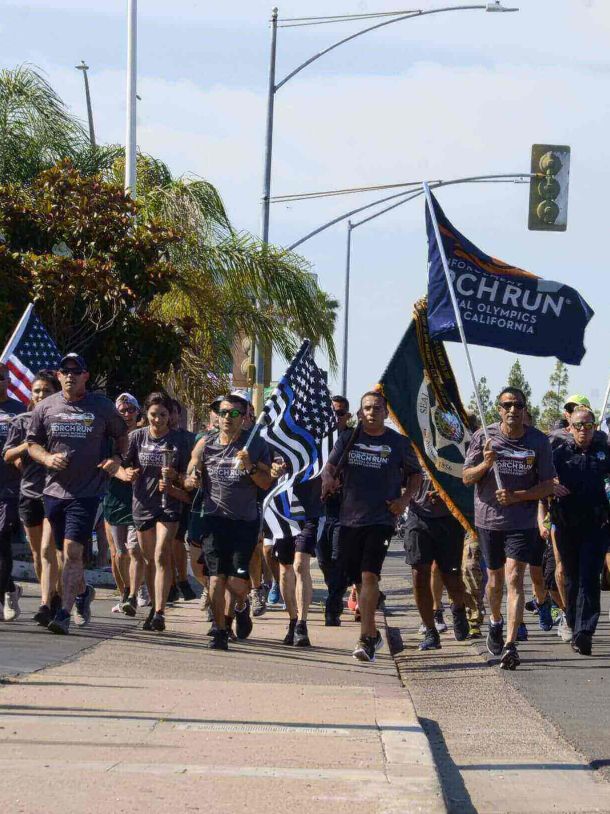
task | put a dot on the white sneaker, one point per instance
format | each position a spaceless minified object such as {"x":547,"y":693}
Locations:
{"x":143,"y":597}
{"x":118,"y":608}
{"x":12,"y":610}
{"x":564,"y":632}
{"x":422,"y":629}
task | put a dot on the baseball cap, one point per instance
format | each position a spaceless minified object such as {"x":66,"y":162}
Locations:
{"x":73,"y":357}
{"x":579,"y":399}
{"x":127,"y":397}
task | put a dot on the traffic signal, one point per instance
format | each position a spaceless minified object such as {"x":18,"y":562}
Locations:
{"x":548,"y":210}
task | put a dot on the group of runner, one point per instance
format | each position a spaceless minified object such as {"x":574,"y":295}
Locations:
{"x":166,"y":493}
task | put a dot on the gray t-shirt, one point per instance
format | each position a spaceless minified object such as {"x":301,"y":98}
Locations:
{"x":83,"y":430}
{"x":228,"y":491}
{"x":522,"y":463}
{"x":376,"y":469}
{"x":145,"y":453}
{"x":9,"y":474}
{"x":422,"y":506}
{"x":33,"y":474}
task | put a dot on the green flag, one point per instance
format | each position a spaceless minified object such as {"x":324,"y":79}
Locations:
{"x":425,"y":403}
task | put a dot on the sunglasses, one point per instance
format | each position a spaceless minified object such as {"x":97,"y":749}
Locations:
{"x":127,"y":410}
{"x":75,"y":371}
{"x":230,"y":413}
{"x":340,"y":413}
{"x":506,"y":405}
{"x":583,"y":425}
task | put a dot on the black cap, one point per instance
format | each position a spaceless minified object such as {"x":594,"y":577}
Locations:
{"x":73,"y":357}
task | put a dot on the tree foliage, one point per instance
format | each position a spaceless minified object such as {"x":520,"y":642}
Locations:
{"x":516,"y":378}
{"x":489,"y":408}
{"x":555,"y":397}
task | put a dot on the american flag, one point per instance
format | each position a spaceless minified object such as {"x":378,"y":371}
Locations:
{"x":30,"y":349}
{"x":299,"y":424}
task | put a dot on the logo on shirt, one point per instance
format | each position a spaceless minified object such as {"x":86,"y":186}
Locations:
{"x":516,"y":462}
{"x":151,"y":455}
{"x":371,"y":457}
{"x":5,"y":421}
{"x":226,"y":472}
{"x":72,"y":425}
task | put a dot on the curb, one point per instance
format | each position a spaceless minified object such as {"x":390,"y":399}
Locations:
{"x":409,"y":752}
{"x":96,"y":577}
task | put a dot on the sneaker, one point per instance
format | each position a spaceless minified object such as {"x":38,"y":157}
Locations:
{"x":243,"y":622}
{"x":229,"y":628}
{"x":332,"y":620}
{"x":495,"y":638}
{"x":555,"y":613}
{"x":301,"y":636}
{"x":352,"y":602}
{"x":289,"y":637}
{"x":187,"y":592}
{"x":205,"y":604}
{"x":275,"y":596}
{"x":422,"y":629}
{"x":431,"y":640}
{"x":12,"y":611}
{"x":257,"y":601}
{"x":219,"y":640}
{"x":377,"y":640}
{"x":173,"y":595}
{"x":130,"y":607}
{"x":147,"y":625}
{"x":82,"y":606}
{"x":158,"y":622}
{"x":118,"y":608}
{"x":461,"y":627}
{"x":61,"y":623}
{"x":564,"y":631}
{"x":582,"y":643}
{"x":474,"y":630}
{"x":439,"y":621}
{"x":545,"y":620}
{"x":365,"y":649}
{"x":43,"y":616}
{"x":522,"y":634}
{"x":532,"y":605}
{"x":510,"y":657}
{"x":143,"y":596}
{"x":55,"y":605}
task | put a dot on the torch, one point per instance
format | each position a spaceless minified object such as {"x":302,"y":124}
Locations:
{"x":167,"y":456}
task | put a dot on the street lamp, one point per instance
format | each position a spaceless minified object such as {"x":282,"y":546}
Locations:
{"x":273,"y":87}
{"x":84,"y":68}
{"x":130,"y":135}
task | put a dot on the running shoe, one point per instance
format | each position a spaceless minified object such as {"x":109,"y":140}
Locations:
{"x":332,"y":620}
{"x":301,"y":636}
{"x":61,"y":623}
{"x":147,"y":624}
{"x":439,"y":621}
{"x":130,"y":606}
{"x":12,"y":611}
{"x":545,"y":620}
{"x":461,"y":628}
{"x":187,"y":592}
{"x":257,"y":601}
{"x":365,"y":649}
{"x":495,"y":638}
{"x":474,"y":630}
{"x":289,"y":637}
{"x":532,"y":605}
{"x":143,"y":596}
{"x":431,"y":641}
{"x":564,"y":631}
{"x":422,"y":629}
{"x":377,"y":640}
{"x":555,"y":613}
{"x":275,"y":597}
{"x":243,"y":622}
{"x":352,"y":601}
{"x":43,"y":616}
{"x":82,"y":607}
{"x":219,"y":640}
{"x":118,"y":608}
{"x":173,"y":595}
{"x":158,"y":622}
{"x":582,"y":643}
{"x":510,"y":657}
{"x":522,"y":634}
{"x":55,"y":605}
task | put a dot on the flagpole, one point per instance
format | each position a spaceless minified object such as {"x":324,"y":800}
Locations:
{"x":605,"y":404}
{"x":16,"y":333}
{"x":458,"y":320}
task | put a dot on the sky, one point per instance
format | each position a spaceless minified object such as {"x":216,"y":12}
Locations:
{"x":446,"y":95}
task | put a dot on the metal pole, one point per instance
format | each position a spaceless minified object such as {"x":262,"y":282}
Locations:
{"x":84,"y":68}
{"x":259,"y":359}
{"x":130,"y":137}
{"x":458,"y":319}
{"x":348,"y":260}
{"x":605,"y":404}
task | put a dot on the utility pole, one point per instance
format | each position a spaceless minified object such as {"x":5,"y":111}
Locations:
{"x":84,"y":68}
{"x":130,"y":137}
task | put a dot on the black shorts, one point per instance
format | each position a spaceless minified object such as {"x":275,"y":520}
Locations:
{"x":363,"y":548}
{"x":434,"y":539}
{"x":548,"y":567}
{"x":9,"y":520}
{"x":305,"y":543}
{"x":497,"y":546}
{"x":198,"y":528}
{"x":229,"y":546}
{"x":537,"y":552}
{"x":165,"y":517}
{"x":31,"y":511}
{"x":71,"y":518}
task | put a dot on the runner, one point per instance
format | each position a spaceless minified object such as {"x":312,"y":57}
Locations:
{"x":381,"y":474}
{"x":180,"y":580}
{"x":9,"y":498}
{"x":327,"y":549}
{"x":156,"y":505}
{"x":31,"y":509}
{"x":580,"y":515}
{"x":506,"y":518}
{"x":127,"y":560}
{"x":227,"y":477}
{"x":70,"y":434}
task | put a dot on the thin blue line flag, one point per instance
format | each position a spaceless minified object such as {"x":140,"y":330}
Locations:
{"x":501,"y":306}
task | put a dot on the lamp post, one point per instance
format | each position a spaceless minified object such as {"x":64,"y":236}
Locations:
{"x":273,"y":87}
{"x":130,"y":135}
{"x":84,"y":68}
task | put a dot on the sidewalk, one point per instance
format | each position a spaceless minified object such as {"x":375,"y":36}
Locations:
{"x":149,"y":723}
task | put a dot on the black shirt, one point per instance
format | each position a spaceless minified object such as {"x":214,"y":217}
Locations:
{"x":583,"y":472}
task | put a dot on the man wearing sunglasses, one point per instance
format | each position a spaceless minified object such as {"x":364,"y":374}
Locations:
{"x":228,"y":477}
{"x":506,"y":517}
{"x":580,"y":516}
{"x":71,"y":434}
{"x":9,"y":500}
